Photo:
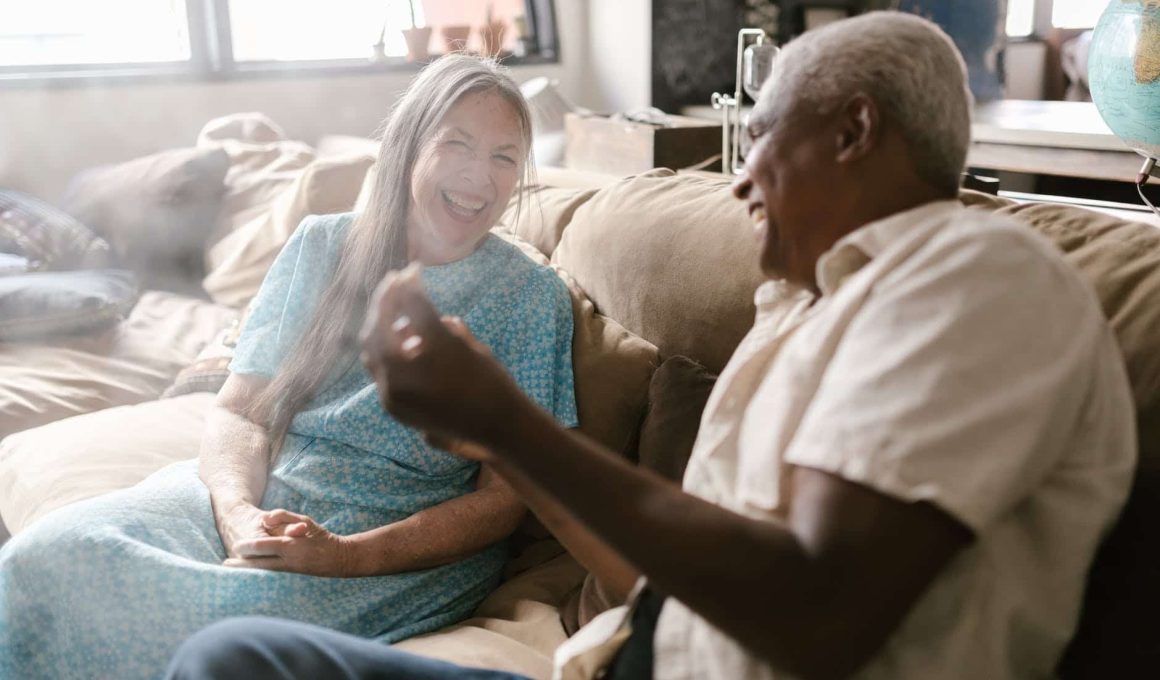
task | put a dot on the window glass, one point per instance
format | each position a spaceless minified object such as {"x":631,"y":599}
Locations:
{"x":48,"y":32}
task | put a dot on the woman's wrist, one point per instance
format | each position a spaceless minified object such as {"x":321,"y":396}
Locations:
{"x":363,"y":554}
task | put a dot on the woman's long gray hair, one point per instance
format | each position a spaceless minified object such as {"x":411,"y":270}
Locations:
{"x":377,"y":242}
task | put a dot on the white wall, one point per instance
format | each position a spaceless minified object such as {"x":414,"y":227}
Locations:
{"x":619,"y":74}
{"x":48,"y":134}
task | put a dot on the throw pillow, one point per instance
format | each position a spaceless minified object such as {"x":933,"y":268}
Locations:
{"x":241,"y":258}
{"x":48,"y":237}
{"x":156,"y":212}
{"x":44,"y":304}
{"x":677,"y":395}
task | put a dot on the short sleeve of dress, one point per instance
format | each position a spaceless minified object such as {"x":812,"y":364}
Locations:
{"x":289,"y":294}
{"x":543,"y":366}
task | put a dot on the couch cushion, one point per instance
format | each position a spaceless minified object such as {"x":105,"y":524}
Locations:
{"x":516,"y":629}
{"x":77,"y":458}
{"x":672,"y":258}
{"x":241,"y":258}
{"x":127,"y":363}
{"x":677,"y":395}
{"x":262,"y":163}
{"x":538,"y":214}
{"x":1122,"y":261}
{"x":157,"y":212}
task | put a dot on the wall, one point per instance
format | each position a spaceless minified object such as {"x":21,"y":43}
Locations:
{"x":619,"y":76}
{"x":49,"y":134}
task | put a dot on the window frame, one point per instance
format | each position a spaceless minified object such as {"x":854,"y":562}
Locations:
{"x":212,"y":58}
{"x":1042,"y":23}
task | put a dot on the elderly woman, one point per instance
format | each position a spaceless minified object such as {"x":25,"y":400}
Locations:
{"x":307,"y":501}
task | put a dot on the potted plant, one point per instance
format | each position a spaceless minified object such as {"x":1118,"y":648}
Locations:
{"x":417,"y":37}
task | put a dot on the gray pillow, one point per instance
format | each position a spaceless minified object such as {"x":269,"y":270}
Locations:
{"x":45,"y":304}
{"x":156,"y":211}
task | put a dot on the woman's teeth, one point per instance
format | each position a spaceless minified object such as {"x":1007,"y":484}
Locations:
{"x":758,"y":216}
{"x":465,"y":203}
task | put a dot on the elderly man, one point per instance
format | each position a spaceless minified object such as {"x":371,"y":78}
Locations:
{"x":906,"y":478}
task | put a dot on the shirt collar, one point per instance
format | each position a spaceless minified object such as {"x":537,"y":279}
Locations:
{"x":856,"y":249}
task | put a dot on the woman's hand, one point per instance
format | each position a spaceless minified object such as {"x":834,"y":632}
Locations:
{"x":295,"y":543}
{"x":241,"y":522}
{"x":431,"y":373}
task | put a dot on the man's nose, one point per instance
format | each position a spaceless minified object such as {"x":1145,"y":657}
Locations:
{"x":742,"y":185}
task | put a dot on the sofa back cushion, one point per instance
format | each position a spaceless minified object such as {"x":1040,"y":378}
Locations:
{"x":538,"y":214}
{"x":672,"y":258}
{"x":1121,"y":260}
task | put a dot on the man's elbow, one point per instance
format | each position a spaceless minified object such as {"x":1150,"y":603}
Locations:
{"x":825,"y":642}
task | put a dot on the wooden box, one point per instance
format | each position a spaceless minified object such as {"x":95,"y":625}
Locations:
{"x":619,"y":147}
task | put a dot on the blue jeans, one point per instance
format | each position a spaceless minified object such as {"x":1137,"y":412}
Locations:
{"x":259,"y":648}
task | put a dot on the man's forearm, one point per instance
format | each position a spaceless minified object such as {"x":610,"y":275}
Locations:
{"x":700,"y":553}
{"x":445,"y":533}
{"x":617,"y":574}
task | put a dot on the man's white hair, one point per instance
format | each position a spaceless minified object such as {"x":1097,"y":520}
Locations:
{"x":906,"y":64}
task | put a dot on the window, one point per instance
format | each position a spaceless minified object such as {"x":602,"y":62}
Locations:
{"x":1030,"y":17}
{"x":46,"y":32}
{"x":1020,"y":18}
{"x":1076,"y":13}
{"x":353,"y":26}
{"x":67,"y":39}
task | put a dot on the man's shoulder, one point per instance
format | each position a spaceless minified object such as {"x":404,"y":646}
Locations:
{"x":976,"y":244}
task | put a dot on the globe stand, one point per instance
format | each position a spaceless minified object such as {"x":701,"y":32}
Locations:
{"x":1149,"y":170}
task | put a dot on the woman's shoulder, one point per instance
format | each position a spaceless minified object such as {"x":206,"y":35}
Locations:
{"x":538,"y":278}
{"x":322,"y":234}
{"x":326,"y":228}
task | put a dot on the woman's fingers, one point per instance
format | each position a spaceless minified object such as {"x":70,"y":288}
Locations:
{"x":298,"y":529}
{"x":267,"y":563}
{"x":269,"y":546}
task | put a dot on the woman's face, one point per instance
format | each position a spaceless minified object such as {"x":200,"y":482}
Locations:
{"x":463,"y":178}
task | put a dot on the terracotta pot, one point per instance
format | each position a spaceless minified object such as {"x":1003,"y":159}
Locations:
{"x":417,"y":40}
{"x":455,"y":37}
{"x":492,"y":35}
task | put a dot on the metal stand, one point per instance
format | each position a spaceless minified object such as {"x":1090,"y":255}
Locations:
{"x":1149,"y":170}
{"x":730,"y":108}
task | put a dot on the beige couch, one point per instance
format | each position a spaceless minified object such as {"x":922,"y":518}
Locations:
{"x":659,"y":265}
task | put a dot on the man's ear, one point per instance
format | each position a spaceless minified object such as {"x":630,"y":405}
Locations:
{"x":858,"y":128}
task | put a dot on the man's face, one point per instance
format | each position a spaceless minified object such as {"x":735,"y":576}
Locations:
{"x":787,"y":187}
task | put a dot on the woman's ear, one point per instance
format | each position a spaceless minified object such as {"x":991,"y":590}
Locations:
{"x":858,"y":128}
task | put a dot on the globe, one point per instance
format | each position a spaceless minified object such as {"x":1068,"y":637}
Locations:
{"x":1124,"y":72}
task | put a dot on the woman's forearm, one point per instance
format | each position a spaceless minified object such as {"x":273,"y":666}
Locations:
{"x":439,"y":535}
{"x":233,"y":460}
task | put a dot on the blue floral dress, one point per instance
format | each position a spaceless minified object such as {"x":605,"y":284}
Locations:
{"x":108,"y":588}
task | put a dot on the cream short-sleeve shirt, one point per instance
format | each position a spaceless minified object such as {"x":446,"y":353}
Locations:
{"x":955,"y":358}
